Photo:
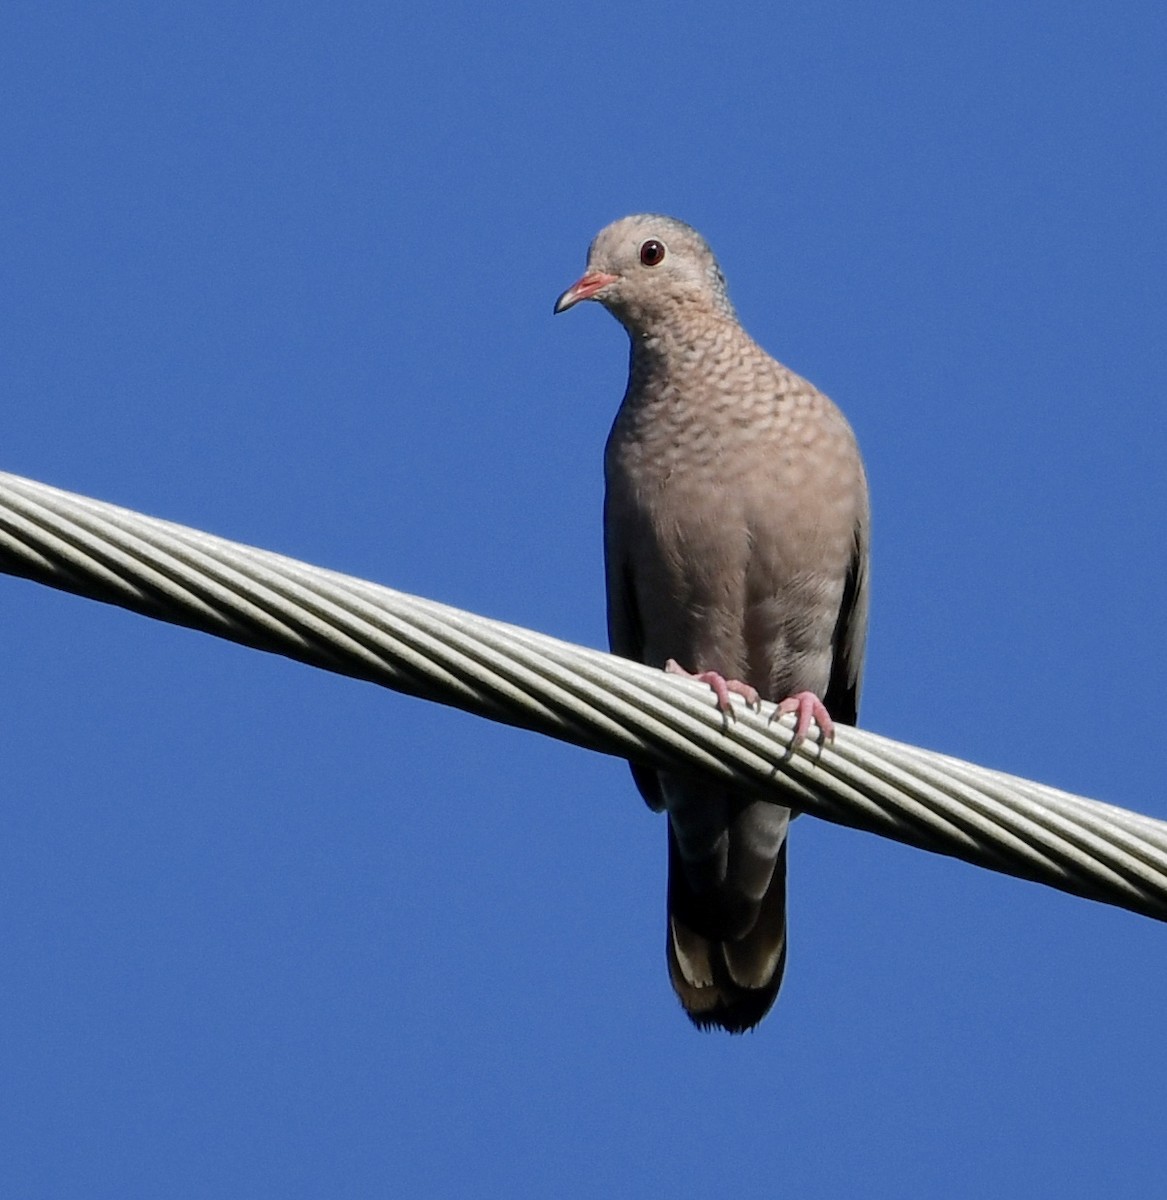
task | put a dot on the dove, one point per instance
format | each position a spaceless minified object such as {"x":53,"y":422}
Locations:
{"x":736,"y":531}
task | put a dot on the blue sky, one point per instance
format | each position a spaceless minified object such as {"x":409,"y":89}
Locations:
{"x":285,"y":273}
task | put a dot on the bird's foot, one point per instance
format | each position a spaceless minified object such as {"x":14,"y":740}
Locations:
{"x":809,"y":708}
{"x":722,"y":688}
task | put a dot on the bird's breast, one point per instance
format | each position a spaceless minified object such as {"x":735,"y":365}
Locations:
{"x":737,"y":515}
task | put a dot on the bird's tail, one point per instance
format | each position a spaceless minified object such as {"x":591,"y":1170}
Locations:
{"x":728,"y":982}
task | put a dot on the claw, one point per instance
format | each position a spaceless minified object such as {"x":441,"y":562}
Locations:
{"x":809,"y":708}
{"x":722,"y":687}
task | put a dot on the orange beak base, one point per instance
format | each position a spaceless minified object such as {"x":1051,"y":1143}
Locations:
{"x":584,"y":289}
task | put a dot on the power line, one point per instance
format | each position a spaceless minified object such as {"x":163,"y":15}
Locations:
{"x":354,"y":627}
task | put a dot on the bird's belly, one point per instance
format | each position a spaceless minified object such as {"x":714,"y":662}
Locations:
{"x":728,"y":592}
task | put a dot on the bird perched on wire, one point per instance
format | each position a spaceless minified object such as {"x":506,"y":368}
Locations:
{"x":736,"y":547}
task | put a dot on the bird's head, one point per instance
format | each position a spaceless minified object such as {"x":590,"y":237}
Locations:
{"x":646,"y":269}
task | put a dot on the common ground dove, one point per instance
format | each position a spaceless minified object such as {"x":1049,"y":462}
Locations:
{"x":736,"y":538}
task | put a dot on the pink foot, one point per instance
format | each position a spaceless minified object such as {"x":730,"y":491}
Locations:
{"x":809,"y":708}
{"x":722,"y":687}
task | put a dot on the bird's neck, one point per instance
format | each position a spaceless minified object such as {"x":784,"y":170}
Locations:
{"x":670,"y":353}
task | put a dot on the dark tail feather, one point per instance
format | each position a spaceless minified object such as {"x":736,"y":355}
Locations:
{"x":729,"y":984}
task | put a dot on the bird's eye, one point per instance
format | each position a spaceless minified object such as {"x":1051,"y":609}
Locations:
{"x":652,"y":253}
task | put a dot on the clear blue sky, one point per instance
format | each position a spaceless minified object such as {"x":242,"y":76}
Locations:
{"x":285,"y":273}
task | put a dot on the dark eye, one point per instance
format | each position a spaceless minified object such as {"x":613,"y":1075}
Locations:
{"x":652,"y":253}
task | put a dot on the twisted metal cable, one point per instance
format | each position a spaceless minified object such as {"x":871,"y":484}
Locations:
{"x":586,"y":697}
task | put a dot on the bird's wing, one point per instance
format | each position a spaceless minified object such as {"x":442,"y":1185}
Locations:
{"x":850,"y":638}
{"x":625,"y":630}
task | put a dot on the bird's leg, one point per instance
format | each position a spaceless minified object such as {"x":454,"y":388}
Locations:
{"x":809,"y":708}
{"x":722,"y":687}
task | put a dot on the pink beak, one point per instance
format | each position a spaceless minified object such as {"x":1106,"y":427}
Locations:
{"x":584,"y":289}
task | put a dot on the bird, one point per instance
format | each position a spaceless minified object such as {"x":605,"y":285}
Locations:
{"x":736,"y":538}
